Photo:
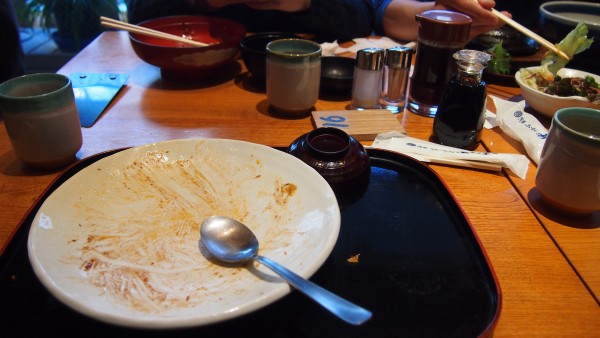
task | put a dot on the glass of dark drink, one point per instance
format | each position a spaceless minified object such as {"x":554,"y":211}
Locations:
{"x":441,"y":34}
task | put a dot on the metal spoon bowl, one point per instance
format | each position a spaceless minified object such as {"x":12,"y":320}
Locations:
{"x":231,"y":241}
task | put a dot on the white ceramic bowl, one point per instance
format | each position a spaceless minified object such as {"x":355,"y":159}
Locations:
{"x":548,"y":104}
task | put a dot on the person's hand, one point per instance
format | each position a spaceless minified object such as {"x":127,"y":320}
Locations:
{"x":282,"y":5}
{"x":479,"y":11}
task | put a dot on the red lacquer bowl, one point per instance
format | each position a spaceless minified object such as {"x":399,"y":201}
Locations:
{"x":183,"y":62}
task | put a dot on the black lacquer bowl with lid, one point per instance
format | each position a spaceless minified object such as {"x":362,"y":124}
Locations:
{"x":337,"y":156}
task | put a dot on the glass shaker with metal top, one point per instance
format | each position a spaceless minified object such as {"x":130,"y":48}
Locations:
{"x":395,"y":77}
{"x":441,"y":34}
{"x":366,"y":86}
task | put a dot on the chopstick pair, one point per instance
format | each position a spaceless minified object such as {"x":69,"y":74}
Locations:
{"x":112,"y":23}
{"x":459,"y":163}
{"x":530,"y":34}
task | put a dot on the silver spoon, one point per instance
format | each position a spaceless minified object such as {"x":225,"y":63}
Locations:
{"x":232,"y":242}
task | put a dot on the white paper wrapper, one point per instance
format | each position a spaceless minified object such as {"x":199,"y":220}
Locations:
{"x":521,"y":126}
{"x":433,"y":152}
{"x":490,"y":120}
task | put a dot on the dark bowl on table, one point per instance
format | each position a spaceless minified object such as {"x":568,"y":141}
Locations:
{"x":254,"y":50}
{"x":558,"y":18}
{"x":338,"y":157}
{"x":514,"y":42}
{"x":500,"y":79}
{"x":337,"y":74}
{"x":509,"y":79}
{"x":182,"y":62}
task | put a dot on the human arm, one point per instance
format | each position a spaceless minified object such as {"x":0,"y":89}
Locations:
{"x":397,"y":19}
{"x":479,"y":11}
{"x":12,"y":60}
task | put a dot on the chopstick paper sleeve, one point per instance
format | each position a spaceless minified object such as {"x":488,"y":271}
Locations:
{"x":410,"y":146}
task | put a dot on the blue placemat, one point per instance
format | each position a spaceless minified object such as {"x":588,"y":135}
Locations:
{"x":93,"y":92}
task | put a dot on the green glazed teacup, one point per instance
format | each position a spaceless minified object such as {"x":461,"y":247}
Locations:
{"x":41,"y":119}
{"x":568,"y":177}
{"x":293,"y":75}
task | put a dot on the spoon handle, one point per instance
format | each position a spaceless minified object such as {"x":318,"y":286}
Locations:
{"x":342,"y":308}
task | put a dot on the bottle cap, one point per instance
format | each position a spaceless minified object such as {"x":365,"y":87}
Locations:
{"x":472,"y":61}
{"x":398,"y":57}
{"x":442,"y":28}
{"x":370,"y":58}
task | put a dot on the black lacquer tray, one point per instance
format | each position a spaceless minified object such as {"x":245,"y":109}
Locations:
{"x":420,"y":270}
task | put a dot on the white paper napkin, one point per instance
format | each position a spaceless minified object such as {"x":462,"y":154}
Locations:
{"x":490,"y":120}
{"x":333,"y":48}
{"x":521,"y":126}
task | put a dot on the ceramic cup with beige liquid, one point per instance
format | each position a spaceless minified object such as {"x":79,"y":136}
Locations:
{"x":568,"y":177}
{"x":293,"y":75}
{"x":41,"y":119}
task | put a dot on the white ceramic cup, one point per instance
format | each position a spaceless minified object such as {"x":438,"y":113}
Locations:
{"x":293,"y":75}
{"x":41,"y":119}
{"x":568,"y":177}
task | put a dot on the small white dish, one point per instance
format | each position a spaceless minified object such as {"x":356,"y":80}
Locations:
{"x":119,"y":241}
{"x":547,"y":104}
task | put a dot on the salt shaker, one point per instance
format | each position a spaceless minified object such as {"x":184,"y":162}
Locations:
{"x":366,"y":86}
{"x":461,"y":114}
{"x":395,"y":77}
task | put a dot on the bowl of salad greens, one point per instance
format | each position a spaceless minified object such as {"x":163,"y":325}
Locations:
{"x":568,"y":88}
{"x":552,"y":86}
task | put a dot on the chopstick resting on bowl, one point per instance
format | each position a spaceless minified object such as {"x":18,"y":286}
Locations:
{"x":112,"y":23}
{"x":530,"y":34}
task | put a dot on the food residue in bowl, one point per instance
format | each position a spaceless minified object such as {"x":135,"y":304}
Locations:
{"x":563,"y":86}
{"x":545,"y":78}
{"x":146,"y":257}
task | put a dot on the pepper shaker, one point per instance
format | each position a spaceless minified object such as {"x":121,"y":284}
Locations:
{"x":395,"y":77}
{"x":366,"y":86}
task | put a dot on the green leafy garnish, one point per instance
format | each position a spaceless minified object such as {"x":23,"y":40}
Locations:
{"x":575,"y":42}
{"x":592,"y":82}
{"x":500,"y":62}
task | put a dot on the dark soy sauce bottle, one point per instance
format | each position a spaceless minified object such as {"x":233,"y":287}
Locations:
{"x":461,"y":114}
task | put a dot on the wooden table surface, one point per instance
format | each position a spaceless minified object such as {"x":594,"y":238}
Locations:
{"x":578,"y":238}
{"x":548,"y":266}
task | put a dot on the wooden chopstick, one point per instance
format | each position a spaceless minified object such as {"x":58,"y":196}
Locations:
{"x":112,"y":23}
{"x":530,"y":34}
{"x":465,"y":163}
